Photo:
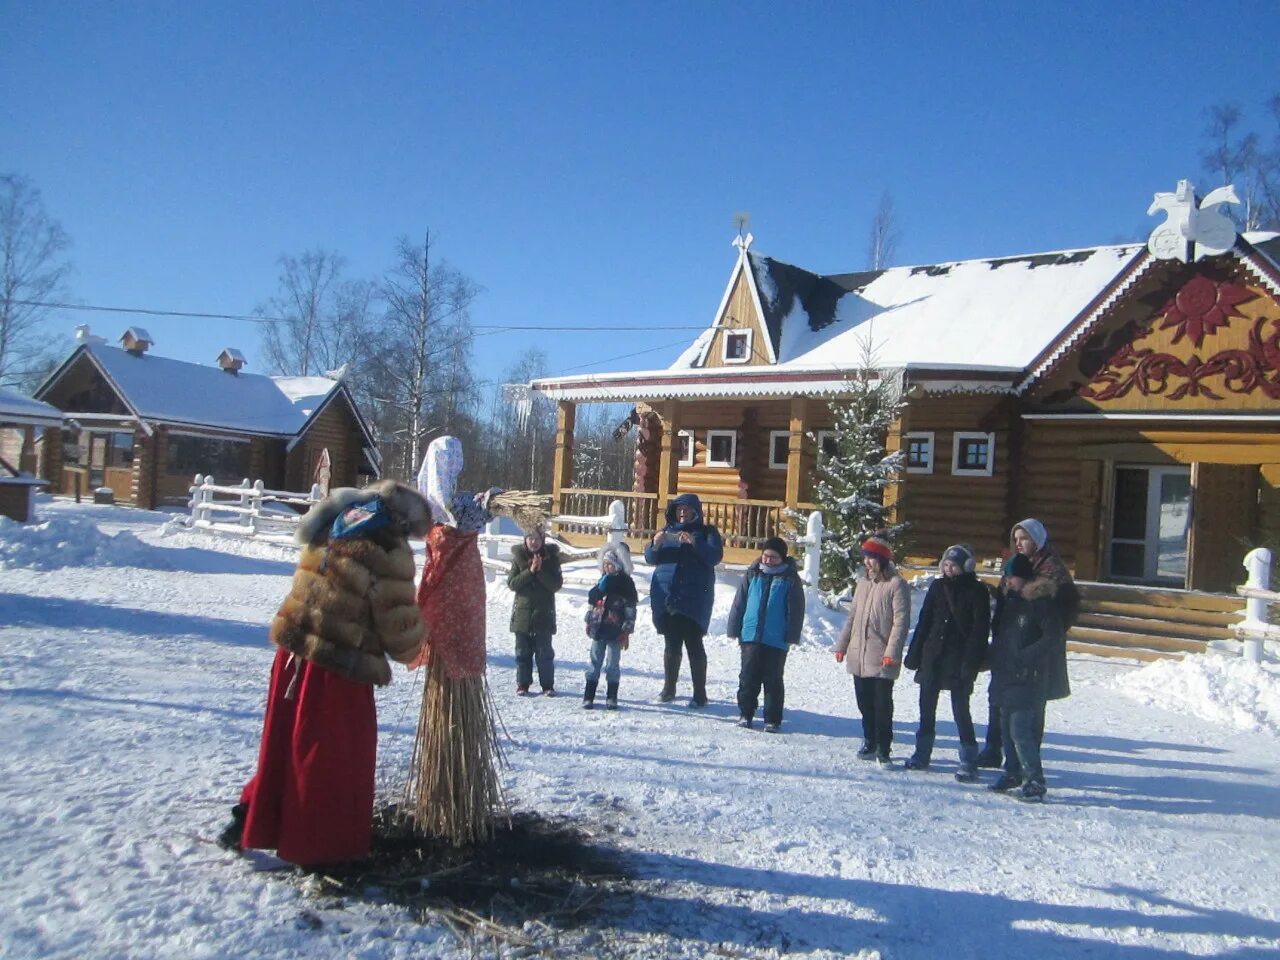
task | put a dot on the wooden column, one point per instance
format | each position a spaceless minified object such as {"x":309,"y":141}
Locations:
{"x":27,"y":454}
{"x":799,"y":463}
{"x":51,"y":457}
{"x":668,"y":460}
{"x":562,"y":470}
{"x":1090,"y":535}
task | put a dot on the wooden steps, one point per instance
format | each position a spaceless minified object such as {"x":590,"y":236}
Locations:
{"x":1150,"y":623}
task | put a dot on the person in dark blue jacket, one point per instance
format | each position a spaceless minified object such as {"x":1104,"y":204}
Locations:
{"x":684,"y":555}
{"x":766,"y":618}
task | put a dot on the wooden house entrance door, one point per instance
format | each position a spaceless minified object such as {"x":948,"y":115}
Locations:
{"x":1150,"y":523}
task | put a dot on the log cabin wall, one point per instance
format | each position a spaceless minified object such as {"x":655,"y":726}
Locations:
{"x":752,"y":422}
{"x":336,"y":429}
{"x":1069,"y":466}
{"x":945,"y":508}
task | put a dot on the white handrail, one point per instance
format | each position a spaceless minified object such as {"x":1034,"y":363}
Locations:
{"x":1254,"y":630}
{"x":242,"y":510}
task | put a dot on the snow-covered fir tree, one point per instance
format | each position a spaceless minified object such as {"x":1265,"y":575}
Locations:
{"x":855,"y":468}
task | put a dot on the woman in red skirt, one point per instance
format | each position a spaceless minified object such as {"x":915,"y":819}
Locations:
{"x":350,"y":607}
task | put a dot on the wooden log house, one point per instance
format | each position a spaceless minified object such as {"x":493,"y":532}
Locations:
{"x":1126,"y":395}
{"x":145,"y":425}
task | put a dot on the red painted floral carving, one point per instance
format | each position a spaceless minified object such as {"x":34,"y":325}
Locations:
{"x":1202,"y":306}
{"x":1152,"y":374}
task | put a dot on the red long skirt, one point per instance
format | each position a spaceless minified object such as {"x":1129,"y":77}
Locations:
{"x":311,"y":799}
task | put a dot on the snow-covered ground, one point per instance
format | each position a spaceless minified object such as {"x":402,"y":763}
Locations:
{"x":133,"y":670}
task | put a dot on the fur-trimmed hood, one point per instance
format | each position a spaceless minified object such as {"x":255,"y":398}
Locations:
{"x":1039,"y":587}
{"x":409,"y":512}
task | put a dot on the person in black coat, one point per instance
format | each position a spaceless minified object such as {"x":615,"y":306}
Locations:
{"x":947,"y":650}
{"x":1030,"y":639}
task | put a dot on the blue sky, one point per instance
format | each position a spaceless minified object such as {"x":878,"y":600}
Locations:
{"x":583,"y":162}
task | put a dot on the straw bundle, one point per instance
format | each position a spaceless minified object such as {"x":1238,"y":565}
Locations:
{"x":454,"y":793}
{"x":528,"y":508}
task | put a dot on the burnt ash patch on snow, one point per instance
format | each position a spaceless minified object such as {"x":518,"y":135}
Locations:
{"x":552,"y":871}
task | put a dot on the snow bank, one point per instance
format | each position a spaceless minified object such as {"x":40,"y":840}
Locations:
{"x":67,"y":542}
{"x":1219,"y":689}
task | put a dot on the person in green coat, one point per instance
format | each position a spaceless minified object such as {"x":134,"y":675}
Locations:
{"x":534,"y":577}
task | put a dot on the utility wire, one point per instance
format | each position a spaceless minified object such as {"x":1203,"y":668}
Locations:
{"x":265,"y":319}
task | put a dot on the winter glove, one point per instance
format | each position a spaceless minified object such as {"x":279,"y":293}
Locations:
{"x":887,"y":661}
{"x":912,"y":662}
{"x":624,"y":640}
{"x":839,"y":656}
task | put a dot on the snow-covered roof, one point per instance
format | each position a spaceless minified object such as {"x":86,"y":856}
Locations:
{"x":175,"y":391}
{"x":17,"y":408}
{"x":991,"y":312}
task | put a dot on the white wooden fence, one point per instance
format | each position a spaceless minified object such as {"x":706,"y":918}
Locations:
{"x":249,"y":508}
{"x":1256,"y":630}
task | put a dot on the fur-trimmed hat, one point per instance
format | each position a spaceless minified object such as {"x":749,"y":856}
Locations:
{"x":405,"y":507}
{"x":878,"y":547}
{"x":961,"y":554}
{"x":619,"y":554}
{"x":777,"y":545}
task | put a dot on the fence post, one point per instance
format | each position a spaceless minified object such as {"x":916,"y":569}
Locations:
{"x":197,"y":492}
{"x":812,"y":541}
{"x":491,"y":539}
{"x":246,"y":502}
{"x":258,"y":488}
{"x":316,"y":494}
{"x":1257,"y":563}
{"x":617,"y":521}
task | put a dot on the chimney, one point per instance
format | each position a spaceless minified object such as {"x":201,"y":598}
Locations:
{"x":231,"y":360}
{"x":136,"y":341}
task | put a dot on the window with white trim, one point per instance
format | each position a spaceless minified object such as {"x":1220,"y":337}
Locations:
{"x":826,"y":445}
{"x":973,"y":454}
{"x":737,"y":346}
{"x":722,"y":447}
{"x":684,"y":448}
{"x":917,"y":449}
{"x":779,"y":449}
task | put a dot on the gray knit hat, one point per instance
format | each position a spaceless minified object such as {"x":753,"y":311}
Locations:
{"x":961,"y":554}
{"x":619,"y":554}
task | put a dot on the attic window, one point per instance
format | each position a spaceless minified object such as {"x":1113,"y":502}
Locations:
{"x":737,"y":346}
{"x":919,"y":452}
{"x":722,"y":446}
{"x":973,"y":454}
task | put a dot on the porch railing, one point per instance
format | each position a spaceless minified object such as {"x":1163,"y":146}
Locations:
{"x":642,"y":511}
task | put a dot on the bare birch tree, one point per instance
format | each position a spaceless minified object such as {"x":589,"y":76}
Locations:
{"x":421,"y":370}
{"x":32,"y":272}
{"x":318,"y":319}
{"x":1234,"y":155}
{"x":882,"y":244}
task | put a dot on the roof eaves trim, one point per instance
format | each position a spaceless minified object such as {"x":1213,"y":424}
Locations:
{"x":1088,"y":319}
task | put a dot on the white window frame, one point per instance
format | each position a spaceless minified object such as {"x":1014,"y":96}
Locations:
{"x":690,"y":451}
{"x":962,"y":435}
{"x":733,"y":447}
{"x":773,"y":436}
{"x":933,"y":450}
{"x":736,"y":332}
{"x":819,"y":436}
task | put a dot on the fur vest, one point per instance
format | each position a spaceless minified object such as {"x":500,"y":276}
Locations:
{"x":352,"y":601}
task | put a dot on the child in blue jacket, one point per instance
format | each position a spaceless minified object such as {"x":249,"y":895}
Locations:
{"x":766,"y":618}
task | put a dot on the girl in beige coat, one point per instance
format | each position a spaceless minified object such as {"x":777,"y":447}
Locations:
{"x":871,"y":644}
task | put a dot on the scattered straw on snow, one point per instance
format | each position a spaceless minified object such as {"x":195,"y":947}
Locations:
{"x":1220,"y":689}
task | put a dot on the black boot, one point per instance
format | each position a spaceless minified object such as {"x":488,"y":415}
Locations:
{"x":992,"y":757}
{"x":229,"y":838}
{"x":698,"y":673}
{"x":670,"y":674}
{"x":589,"y":694}
{"x":611,"y":696}
{"x":923,"y":754}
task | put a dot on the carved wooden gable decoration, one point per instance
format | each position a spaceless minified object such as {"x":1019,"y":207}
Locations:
{"x":1194,"y":337}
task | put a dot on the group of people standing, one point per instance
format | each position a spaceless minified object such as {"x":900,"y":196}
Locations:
{"x":1017,"y":631}
{"x":1020,"y":638}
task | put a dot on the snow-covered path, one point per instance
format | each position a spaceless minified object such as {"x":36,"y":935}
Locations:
{"x":132,"y":675}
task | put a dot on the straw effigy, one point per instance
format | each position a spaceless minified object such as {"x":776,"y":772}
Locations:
{"x":453,"y":792}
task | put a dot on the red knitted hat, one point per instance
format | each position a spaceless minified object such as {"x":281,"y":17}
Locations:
{"x":879,"y":548}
